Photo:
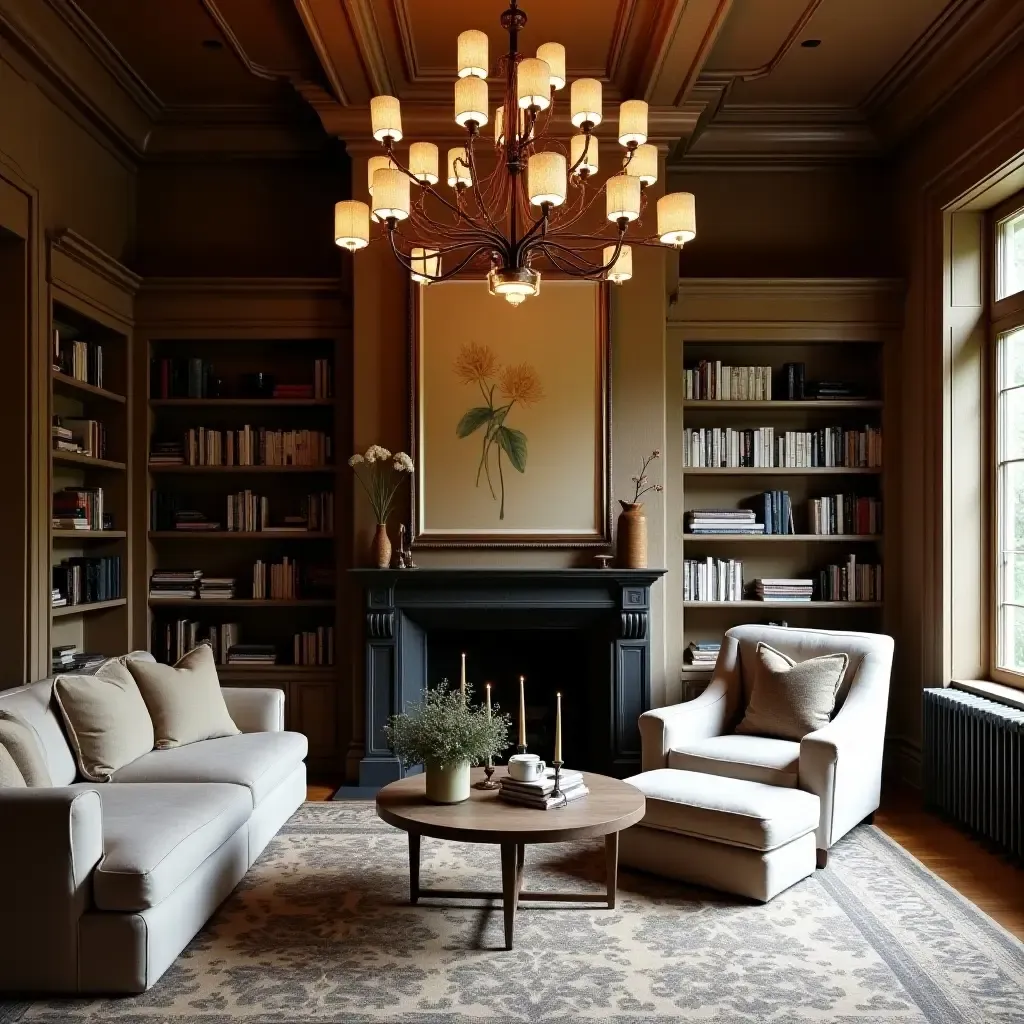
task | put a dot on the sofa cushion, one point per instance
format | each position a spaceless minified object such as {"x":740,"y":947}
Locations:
{"x":155,"y":836}
{"x":184,"y":700}
{"x":10,"y":773}
{"x":791,"y":699}
{"x":733,"y":811}
{"x":35,"y":704}
{"x":754,"y":758}
{"x":106,"y":719}
{"x":22,"y":743}
{"x":256,"y":760}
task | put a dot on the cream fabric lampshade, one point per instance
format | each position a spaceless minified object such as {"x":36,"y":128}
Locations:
{"x":351,"y":225}
{"x":499,"y":126}
{"x":545,"y":176}
{"x":622,"y":269}
{"x":426,"y":265}
{"x":473,"y":54}
{"x":644,"y":164}
{"x":554,"y":55}
{"x":576,"y":146}
{"x":585,"y":101}
{"x":622,"y":197}
{"x":458,"y":174}
{"x":470,"y":101}
{"x":633,"y":123}
{"x":533,"y":83}
{"x":423,"y":162}
{"x":373,"y":165}
{"x":386,"y":118}
{"x":390,"y":194}
{"x":677,"y":218}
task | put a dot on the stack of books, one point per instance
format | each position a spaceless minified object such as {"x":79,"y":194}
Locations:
{"x":74,"y":504}
{"x":67,"y":658}
{"x":723,"y":520}
{"x":62,"y":657}
{"x":538,"y":794}
{"x":783,"y":589}
{"x":252,"y":654}
{"x":57,"y":599}
{"x":833,"y":389}
{"x":174,"y":583}
{"x":293,"y":391}
{"x":81,"y":436}
{"x":167,"y":453}
{"x":192,"y":521}
{"x":703,"y":654}
{"x":219,"y":588}
{"x":775,"y":511}
{"x":712,"y":579}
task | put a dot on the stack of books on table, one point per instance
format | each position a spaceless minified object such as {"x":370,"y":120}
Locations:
{"x":174,"y":583}
{"x":702,"y":655}
{"x":539,"y":794}
{"x":783,"y":590}
{"x":220,"y":588}
{"x":723,"y":520}
{"x":252,"y":654}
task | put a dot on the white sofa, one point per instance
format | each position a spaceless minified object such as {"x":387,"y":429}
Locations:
{"x":106,"y":884}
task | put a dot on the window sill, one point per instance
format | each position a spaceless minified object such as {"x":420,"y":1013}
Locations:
{"x":998,"y":692}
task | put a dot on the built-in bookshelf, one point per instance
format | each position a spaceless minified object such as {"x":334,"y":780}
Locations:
{"x":247,"y":429}
{"x":812,"y":354}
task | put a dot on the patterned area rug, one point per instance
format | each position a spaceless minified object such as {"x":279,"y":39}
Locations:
{"x":320,"y":931}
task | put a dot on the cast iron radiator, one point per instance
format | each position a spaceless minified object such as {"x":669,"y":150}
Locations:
{"x":974,"y":765}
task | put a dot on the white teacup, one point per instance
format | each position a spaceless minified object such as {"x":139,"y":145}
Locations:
{"x":526,"y":767}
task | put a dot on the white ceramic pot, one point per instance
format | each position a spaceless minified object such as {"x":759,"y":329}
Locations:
{"x":447,"y":783}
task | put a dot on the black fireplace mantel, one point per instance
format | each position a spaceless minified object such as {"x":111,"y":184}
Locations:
{"x":402,"y":605}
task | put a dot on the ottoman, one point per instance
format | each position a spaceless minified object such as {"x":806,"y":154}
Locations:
{"x":742,"y":837}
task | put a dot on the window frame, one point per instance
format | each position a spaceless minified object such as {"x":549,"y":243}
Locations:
{"x":1004,"y":316}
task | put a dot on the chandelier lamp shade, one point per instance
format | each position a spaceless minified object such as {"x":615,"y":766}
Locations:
{"x":528,"y":213}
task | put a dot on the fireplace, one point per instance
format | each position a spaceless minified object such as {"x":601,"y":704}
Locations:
{"x":581,"y":632}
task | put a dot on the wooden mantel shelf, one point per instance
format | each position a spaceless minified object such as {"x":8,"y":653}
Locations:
{"x":438,"y":577}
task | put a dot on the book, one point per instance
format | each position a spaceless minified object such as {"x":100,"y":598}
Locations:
{"x":543,"y":785}
{"x":544,"y":803}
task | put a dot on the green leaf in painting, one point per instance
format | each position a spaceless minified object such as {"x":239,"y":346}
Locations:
{"x":513,"y":443}
{"x":474,"y":420}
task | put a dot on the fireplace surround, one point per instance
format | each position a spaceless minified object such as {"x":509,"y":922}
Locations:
{"x":603,"y":613}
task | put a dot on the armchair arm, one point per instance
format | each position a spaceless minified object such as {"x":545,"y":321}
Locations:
{"x":661,"y":729}
{"x":53,"y":838}
{"x":255,"y":709}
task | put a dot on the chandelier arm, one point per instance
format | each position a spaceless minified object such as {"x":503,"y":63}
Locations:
{"x":407,"y":262}
{"x":429,"y":229}
{"x":572,"y":271}
{"x":476,"y":184}
{"x":583,"y":156}
{"x":576,"y":215}
{"x":546,"y":245}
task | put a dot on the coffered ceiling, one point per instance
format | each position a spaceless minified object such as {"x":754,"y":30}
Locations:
{"x":726,"y":79}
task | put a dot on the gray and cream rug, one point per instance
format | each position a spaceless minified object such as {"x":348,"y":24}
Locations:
{"x":320,"y":931}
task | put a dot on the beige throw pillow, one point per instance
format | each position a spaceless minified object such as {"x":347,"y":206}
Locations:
{"x":106,"y":719}
{"x":184,"y":701}
{"x":22,"y":743}
{"x":789,"y":699}
{"x":10,"y":773}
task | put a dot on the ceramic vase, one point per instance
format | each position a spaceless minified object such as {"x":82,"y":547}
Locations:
{"x":631,"y":536}
{"x":382,"y":547}
{"x":447,"y":783}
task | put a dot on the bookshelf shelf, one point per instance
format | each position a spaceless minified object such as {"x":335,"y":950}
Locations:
{"x":241,"y":602}
{"x":73,"y":459}
{"x":803,"y":404}
{"x":240,"y":403}
{"x":88,"y":534}
{"x":785,"y":538}
{"x":73,"y":386}
{"x":262,"y":535}
{"x":780,"y":471}
{"x":324,"y":672}
{"x":240,"y":469}
{"x":782,"y":604}
{"x":87,"y":609}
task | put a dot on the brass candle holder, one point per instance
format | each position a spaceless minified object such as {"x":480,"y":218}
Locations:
{"x":488,"y":772}
{"x":557,"y":791}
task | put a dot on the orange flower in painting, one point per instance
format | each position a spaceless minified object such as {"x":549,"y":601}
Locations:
{"x":475,"y":363}
{"x":521,"y":383}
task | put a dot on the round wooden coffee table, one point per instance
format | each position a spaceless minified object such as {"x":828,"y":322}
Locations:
{"x":610,"y":807}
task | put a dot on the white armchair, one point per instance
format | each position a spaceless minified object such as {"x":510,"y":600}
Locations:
{"x":840,"y":763}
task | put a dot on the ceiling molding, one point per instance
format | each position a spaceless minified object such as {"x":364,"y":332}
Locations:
{"x":96,"y":260}
{"x":319,"y":44}
{"x":711,"y":33}
{"x":363,"y":24}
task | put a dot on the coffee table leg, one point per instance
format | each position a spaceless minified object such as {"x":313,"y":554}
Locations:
{"x":510,"y":878}
{"x":414,"y":867}
{"x":611,"y":866}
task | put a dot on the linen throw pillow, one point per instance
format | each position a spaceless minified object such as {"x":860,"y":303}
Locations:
{"x":10,"y":773}
{"x":790,"y":699}
{"x":22,"y":743}
{"x":106,"y":719}
{"x":184,"y":700}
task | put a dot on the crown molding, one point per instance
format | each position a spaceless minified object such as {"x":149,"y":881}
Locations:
{"x":95,"y":260}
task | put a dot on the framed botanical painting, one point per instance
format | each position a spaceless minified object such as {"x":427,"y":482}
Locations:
{"x":511,"y":412}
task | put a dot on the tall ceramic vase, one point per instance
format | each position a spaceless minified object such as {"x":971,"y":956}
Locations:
{"x":447,"y":783}
{"x":631,"y":536}
{"x":382,"y":547}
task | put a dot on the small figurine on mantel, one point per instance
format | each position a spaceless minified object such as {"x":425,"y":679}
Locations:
{"x":404,"y":553}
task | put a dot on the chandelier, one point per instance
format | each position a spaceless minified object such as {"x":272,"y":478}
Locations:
{"x":529,"y":210}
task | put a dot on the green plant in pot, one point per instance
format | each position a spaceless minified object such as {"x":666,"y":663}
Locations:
{"x":446,"y":734}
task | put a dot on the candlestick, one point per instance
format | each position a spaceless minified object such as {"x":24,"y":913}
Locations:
{"x":462,"y":677}
{"x":522,"y":716}
{"x":488,"y":701}
{"x":489,"y":766}
{"x":558,"y":727}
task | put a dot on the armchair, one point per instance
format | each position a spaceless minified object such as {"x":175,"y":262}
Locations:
{"x":841,"y":763}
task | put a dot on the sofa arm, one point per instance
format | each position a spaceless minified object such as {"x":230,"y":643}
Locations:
{"x":53,"y":838}
{"x":255,"y":709}
{"x":661,"y":729}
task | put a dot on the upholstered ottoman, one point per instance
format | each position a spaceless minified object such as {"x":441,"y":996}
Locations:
{"x":747,"y":838}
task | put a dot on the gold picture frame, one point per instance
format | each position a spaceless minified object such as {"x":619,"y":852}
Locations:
{"x":511,"y":416}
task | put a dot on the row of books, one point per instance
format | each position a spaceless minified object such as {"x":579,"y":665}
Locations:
{"x":80,"y":508}
{"x":721,"y":579}
{"x":245,"y":512}
{"x":79,"y":436}
{"x":284,"y":580}
{"x":248,"y":446}
{"x":852,"y":581}
{"x":173,"y":640}
{"x":314,"y":647}
{"x":278,"y":580}
{"x":86,"y":580}
{"x":539,"y":794}
{"x":73,"y":357}
{"x":712,"y":579}
{"x":710,"y":380}
{"x":730,"y":447}
{"x":193,"y":377}
{"x":844,"y":513}
{"x":772,"y":513}
{"x":702,"y":653}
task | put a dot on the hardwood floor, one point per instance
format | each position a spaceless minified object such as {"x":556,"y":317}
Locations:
{"x":987,"y":879}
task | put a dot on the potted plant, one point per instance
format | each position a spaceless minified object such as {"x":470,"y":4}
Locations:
{"x":446,"y":734}
{"x":381,"y":474}
{"x":631,"y":535}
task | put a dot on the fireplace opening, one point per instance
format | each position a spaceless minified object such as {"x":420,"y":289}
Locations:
{"x":551,"y":661}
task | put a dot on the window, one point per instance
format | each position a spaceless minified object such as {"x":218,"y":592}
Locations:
{"x":1010,"y":255}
